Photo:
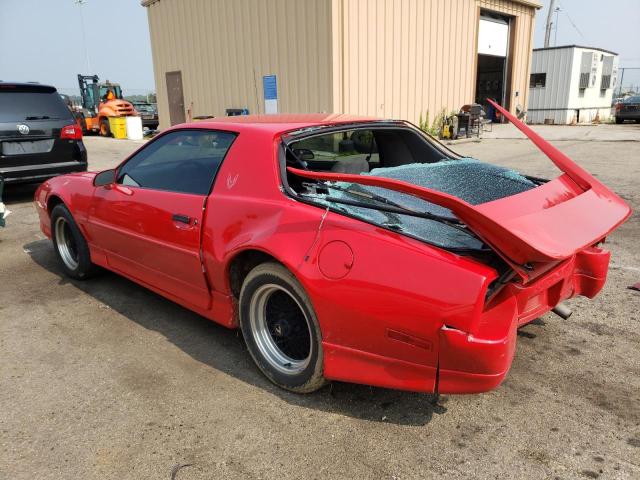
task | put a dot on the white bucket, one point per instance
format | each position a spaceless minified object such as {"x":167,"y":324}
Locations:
{"x":134,"y":128}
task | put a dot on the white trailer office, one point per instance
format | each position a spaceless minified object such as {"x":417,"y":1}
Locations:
{"x":571,"y":84}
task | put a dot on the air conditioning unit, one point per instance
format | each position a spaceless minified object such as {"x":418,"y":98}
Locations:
{"x":588,"y":69}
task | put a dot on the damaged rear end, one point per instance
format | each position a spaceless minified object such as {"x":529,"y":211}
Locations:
{"x":544,"y":243}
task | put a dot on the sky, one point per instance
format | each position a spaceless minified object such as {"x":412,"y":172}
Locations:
{"x":42,"y":40}
{"x":612,"y":25}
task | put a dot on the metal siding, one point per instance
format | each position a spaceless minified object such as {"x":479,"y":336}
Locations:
{"x":563,"y":67}
{"x":385,"y":58}
{"x":425,"y":56}
{"x":557,"y":64}
{"x":591,"y":96}
{"x":224,"y":48}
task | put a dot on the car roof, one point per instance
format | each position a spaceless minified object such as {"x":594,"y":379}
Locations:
{"x":279,"y":123}
{"x":27,"y":86}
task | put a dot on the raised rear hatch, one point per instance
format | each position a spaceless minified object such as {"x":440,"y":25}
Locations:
{"x":541,"y":225}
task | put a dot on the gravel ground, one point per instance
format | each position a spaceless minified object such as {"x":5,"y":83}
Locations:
{"x":105,"y":380}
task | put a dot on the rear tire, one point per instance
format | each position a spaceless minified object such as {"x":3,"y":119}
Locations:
{"x":105,"y":129}
{"x":70,"y":245}
{"x":619,"y":120}
{"x":280,"y":328}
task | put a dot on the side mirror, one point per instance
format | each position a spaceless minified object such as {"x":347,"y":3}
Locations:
{"x":105,"y":178}
{"x":304,"y":154}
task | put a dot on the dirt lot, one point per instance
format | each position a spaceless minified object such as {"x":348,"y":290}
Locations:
{"x":105,"y":380}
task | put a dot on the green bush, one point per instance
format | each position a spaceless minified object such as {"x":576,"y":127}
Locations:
{"x":434,"y":129}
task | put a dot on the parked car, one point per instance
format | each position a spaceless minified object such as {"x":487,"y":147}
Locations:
{"x":38,"y":134}
{"x":343,"y":248}
{"x":148,"y":113}
{"x":628,"y":109}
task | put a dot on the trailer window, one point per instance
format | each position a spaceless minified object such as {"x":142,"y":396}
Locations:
{"x":538,"y":80}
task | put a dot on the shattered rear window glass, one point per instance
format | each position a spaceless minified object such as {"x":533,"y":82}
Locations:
{"x":468,"y":179}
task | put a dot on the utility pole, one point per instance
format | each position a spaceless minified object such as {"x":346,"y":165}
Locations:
{"x":555,"y":28}
{"x":547,"y":32}
{"x":80,"y":3}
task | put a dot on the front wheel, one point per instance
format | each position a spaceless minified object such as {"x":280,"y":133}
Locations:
{"x":70,"y":246}
{"x":281,"y":329}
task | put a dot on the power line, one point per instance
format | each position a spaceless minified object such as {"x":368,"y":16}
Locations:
{"x":80,"y":4}
{"x":564,"y":9}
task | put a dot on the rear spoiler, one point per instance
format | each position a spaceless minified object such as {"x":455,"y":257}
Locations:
{"x":580,"y":176}
{"x":541,"y":226}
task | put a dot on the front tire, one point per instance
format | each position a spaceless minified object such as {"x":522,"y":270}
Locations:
{"x":280,"y":328}
{"x":70,"y":245}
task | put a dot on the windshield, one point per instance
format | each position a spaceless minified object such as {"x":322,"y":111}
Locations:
{"x":144,"y":107}
{"x":19,"y":106}
{"x":634,"y":99}
{"x":115,"y":90}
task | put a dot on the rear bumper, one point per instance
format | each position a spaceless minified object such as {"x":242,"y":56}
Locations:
{"x":635,"y":115}
{"x":150,"y":123}
{"x":41,"y":172}
{"x":477,"y":361}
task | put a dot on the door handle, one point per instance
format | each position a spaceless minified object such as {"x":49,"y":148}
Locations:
{"x":177,"y":217}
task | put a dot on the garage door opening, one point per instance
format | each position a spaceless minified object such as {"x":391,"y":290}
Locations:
{"x":493,"y":74}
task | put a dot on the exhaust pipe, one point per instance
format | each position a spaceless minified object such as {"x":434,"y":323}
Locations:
{"x":562,"y":311}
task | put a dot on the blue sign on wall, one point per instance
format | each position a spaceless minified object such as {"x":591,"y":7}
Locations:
{"x":270,"y":87}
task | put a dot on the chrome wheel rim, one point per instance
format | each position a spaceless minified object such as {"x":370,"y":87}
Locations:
{"x":66,"y":243}
{"x":281,"y":329}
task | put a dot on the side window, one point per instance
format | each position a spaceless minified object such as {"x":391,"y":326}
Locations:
{"x":183,"y":161}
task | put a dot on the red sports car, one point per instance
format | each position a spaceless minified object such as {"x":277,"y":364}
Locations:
{"x":344,"y":248}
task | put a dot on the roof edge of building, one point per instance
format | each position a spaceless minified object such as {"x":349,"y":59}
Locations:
{"x":530,"y":3}
{"x":570,"y":46}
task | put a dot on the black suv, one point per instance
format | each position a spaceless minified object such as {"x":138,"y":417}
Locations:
{"x":39,"y":137}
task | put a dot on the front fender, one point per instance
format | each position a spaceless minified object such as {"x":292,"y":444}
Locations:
{"x":74,"y":190}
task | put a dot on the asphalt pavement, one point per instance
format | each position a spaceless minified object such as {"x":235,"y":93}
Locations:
{"x":105,"y":380}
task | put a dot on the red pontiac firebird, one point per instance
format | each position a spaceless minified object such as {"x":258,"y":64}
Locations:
{"x":344,"y":248}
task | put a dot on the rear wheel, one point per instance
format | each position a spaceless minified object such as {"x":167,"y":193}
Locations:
{"x":281,"y":329}
{"x":69,"y":244}
{"x":105,"y":129}
{"x":619,"y":120}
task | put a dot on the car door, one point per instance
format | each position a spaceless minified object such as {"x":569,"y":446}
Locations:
{"x":148,"y":223}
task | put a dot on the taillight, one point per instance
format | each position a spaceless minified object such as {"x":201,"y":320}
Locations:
{"x":618,"y":107}
{"x":71,"y":132}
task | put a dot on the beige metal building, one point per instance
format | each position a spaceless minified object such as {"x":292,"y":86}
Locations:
{"x":383,"y":58}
